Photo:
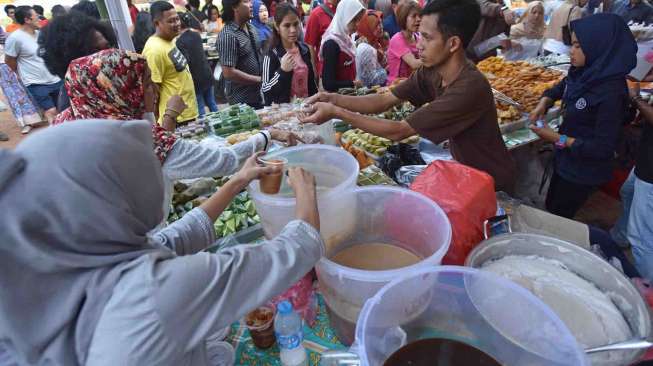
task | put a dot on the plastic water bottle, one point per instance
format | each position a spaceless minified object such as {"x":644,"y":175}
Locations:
{"x":288,"y":329}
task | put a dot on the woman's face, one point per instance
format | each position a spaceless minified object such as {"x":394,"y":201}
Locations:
{"x":576,"y":53}
{"x":351,"y":27}
{"x":214,"y":15}
{"x":289,"y":28}
{"x":537,"y":14}
{"x":378,"y":29}
{"x":99,"y":42}
{"x":263,"y":14}
{"x":412,"y":21}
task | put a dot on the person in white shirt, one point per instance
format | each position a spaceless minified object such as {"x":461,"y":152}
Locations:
{"x":21,"y":55}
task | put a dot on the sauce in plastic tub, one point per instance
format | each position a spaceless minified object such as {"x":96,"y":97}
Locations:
{"x":260,"y":323}
{"x":439,"y":351}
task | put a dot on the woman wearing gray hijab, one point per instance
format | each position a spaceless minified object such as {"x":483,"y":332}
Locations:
{"x":82,"y":282}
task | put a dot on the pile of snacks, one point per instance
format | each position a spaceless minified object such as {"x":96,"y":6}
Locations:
{"x":507,"y":113}
{"x":519,"y":80}
{"x":276,"y":113}
{"x":240,"y":137}
{"x":372,"y":175}
{"x":233,"y":119}
{"x":239,"y":215}
{"x":195,"y":130}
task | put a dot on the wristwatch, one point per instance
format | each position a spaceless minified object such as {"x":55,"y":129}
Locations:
{"x":562,"y":142}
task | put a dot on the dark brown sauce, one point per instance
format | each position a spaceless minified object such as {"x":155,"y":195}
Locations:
{"x":439,"y":352}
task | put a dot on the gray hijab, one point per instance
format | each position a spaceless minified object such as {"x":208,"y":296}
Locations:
{"x":77,"y":202}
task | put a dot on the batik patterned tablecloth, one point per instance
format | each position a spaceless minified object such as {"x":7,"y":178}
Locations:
{"x":317,"y":340}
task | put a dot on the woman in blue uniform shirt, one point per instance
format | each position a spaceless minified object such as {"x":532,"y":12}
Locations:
{"x":595,"y":99}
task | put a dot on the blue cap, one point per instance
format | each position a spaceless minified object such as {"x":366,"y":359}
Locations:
{"x":284,"y":307}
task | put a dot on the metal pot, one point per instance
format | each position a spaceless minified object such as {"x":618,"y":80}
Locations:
{"x":585,"y":264}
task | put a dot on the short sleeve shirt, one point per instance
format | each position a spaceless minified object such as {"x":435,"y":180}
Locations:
{"x":463,"y":112}
{"x":237,"y":49}
{"x":31,"y":68}
{"x":397,"y":48}
{"x":170,"y":69}
{"x":317,"y":24}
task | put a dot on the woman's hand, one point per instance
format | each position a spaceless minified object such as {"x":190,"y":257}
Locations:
{"x":288,"y":62}
{"x":539,"y":112}
{"x":175,"y":106}
{"x":302,"y":183}
{"x":358,"y":84}
{"x":546,"y":133}
{"x":251,"y":170}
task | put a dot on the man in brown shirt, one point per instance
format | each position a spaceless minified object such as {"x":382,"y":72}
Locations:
{"x":455,"y":100}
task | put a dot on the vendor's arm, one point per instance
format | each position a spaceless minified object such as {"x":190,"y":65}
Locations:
{"x":547,"y":101}
{"x":367,"y":104}
{"x":330,"y":56}
{"x":392,"y":130}
{"x":200,"y":294}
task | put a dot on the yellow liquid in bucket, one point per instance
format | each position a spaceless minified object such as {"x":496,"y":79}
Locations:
{"x":375,"y":257}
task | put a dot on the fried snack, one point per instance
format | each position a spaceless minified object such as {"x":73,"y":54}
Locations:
{"x":519,"y":80}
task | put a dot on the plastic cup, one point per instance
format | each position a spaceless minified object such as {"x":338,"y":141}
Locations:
{"x":260,"y":323}
{"x":271,"y":183}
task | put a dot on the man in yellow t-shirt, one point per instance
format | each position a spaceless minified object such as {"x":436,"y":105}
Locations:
{"x":168,"y":67}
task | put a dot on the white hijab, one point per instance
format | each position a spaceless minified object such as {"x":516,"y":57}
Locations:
{"x":337,"y":31}
{"x":78,"y":200}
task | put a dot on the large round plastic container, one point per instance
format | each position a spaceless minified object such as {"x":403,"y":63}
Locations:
{"x":378,"y":214}
{"x":467,"y":305}
{"x":335,"y":171}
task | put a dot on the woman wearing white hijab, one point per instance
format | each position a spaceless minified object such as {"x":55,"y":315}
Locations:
{"x":337,"y":53}
{"x":531,"y":25}
{"x":81,"y":281}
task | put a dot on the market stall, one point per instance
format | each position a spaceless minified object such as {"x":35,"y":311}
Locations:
{"x":331,"y":308}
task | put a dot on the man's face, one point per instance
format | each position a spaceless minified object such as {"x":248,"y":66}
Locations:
{"x":32,"y":20}
{"x":433,"y":48}
{"x":168,"y":25}
{"x":244,"y":10}
{"x":11,"y":13}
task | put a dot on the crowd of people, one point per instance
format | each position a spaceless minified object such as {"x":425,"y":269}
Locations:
{"x":80,"y":185}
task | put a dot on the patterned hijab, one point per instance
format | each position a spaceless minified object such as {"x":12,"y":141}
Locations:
{"x":366,"y":29}
{"x":109,"y":85}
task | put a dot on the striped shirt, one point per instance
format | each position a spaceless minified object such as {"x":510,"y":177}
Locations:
{"x":237,"y":48}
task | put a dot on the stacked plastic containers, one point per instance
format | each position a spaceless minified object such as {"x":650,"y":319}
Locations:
{"x":350,"y":216}
{"x":478,"y":308}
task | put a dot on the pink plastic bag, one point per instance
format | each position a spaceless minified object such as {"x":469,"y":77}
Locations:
{"x":303,"y":299}
{"x":467,"y":197}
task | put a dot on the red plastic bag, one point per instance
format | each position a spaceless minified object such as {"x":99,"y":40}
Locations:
{"x":467,"y":197}
{"x":302,"y":297}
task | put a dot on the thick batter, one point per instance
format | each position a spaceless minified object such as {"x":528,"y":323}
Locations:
{"x":590,"y":315}
{"x":375,"y":257}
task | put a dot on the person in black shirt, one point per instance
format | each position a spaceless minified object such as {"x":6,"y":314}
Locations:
{"x":239,"y":56}
{"x":595,"y":100}
{"x":287,"y":68}
{"x":190,"y":44}
{"x":143,"y":29}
